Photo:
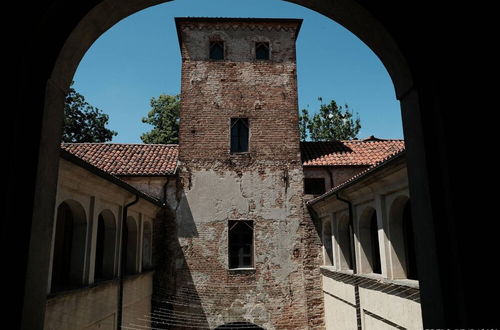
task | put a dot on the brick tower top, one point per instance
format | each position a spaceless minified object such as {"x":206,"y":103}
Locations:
{"x":238,"y":89}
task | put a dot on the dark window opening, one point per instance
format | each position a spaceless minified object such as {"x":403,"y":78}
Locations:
{"x":99,"y":254}
{"x":327,"y":243}
{"x":411,"y":260}
{"x":239,"y":135}
{"x":238,"y":326}
{"x":146,"y":247}
{"x":130,"y":246}
{"x":314,"y":186}
{"x":240,"y":240}
{"x":63,"y":245}
{"x":375,"y":255}
{"x":262,"y":50}
{"x":216,"y":50}
{"x":346,"y":243}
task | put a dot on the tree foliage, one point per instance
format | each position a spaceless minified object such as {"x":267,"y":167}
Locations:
{"x":84,"y":122}
{"x":164,"y":117}
{"x":332,"y":122}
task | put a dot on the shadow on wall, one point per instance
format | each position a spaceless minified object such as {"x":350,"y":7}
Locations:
{"x":175,"y":302}
{"x":185,"y":222}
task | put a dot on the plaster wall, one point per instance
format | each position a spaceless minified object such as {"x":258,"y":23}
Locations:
{"x":271,"y":294}
{"x":151,"y":185}
{"x":384,"y":303}
{"x":96,"y":307}
{"x":338,"y":314}
{"x":399,"y":310}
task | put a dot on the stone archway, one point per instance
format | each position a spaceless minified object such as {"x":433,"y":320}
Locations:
{"x":91,"y":21}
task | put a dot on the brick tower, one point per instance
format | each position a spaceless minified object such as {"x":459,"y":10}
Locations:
{"x":239,"y":212}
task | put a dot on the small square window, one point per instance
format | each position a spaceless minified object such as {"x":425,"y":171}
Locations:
{"x":216,"y":50}
{"x":314,"y":186}
{"x":262,"y":50}
{"x":239,"y":135}
{"x":240,"y":244}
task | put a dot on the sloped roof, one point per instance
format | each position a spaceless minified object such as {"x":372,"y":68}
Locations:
{"x":382,"y":163}
{"x":365,"y":152}
{"x":111,"y":178}
{"x":128,"y":159}
{"x":122,"y":159}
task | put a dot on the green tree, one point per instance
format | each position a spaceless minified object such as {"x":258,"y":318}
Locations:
{"x":332,"y":122}
{"x":84,"y":122}
{"x":164,"y":117}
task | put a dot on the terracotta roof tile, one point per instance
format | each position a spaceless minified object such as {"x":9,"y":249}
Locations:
{"x":365,"y":152}
{"x":127,"y":159}
{"x":378,"y":165}
{"x":161,"y":159}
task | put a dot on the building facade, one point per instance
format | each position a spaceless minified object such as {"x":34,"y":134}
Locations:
{"x":369,"y":274}
{"x":240,"y":213}
{"x":244,"y":225}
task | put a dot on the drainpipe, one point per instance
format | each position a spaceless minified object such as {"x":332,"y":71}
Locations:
{"x":123,"y":262}
{"x":351,"y":230}
{"x":353,"y":259}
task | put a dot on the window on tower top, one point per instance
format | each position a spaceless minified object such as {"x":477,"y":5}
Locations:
{"x":262,"y":50}
{"x":216,"y":50}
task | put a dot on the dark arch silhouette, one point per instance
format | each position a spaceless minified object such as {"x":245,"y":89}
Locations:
{"x":239,"y":326}
{"x":429,"y":108}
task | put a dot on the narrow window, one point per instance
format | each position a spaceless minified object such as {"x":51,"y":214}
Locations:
{"x":375,"y":258}
{"x":327,"y":242}
{"x":99,"y":254}
{"x":314,"y":186}
{"x":240,"y":240}
{"x":146,"y":247}
{"x":130,"y":238}
{"x":411,"y":260}
{"x":346,"y":242}
{"x":216,"y":50}
{"x":370,"y":256}
{"x":262,"y":50}
{"x":61,"y":265}
{"x":239,"y":135}
{"x":69,"y":246}
{"x":105,"y":246}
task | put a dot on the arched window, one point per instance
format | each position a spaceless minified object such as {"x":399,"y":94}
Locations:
{"x":327,"y":242}
{"x":147,"y":246}
{"x":403,"y":263}
{"x":130,"y":237}
{"x":69,"y":246}
{"x":345,"y":240}
{"x":105,"y":246}
{"x":369,"y":242}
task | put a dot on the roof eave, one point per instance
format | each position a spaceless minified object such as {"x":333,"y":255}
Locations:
{"x":97,"y":171}
{"x":357,"y":179}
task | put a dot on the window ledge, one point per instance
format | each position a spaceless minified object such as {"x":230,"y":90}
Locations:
{"x":414,"y":284}
{"x":333,"y":269}
{"x":242,"y":269}
{"x":243,"y":153}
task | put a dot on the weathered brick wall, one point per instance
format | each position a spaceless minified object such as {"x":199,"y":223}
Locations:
{"x":264,"y":185}
{"x":214,"y":91}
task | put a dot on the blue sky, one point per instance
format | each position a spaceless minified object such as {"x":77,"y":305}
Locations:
{"x":139,"y":58}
